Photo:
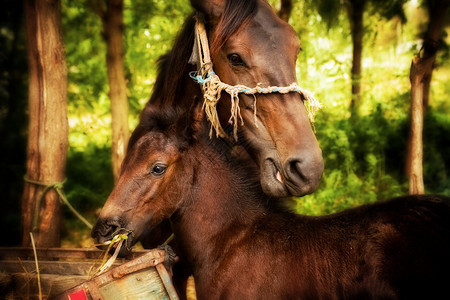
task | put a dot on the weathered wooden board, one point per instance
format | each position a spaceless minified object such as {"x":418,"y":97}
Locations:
{"x":49,"y":267}
{"x":143,"y":285}
{"x":63,"y":269}
{"x":142,"y":278}
{"x":60,"y":269}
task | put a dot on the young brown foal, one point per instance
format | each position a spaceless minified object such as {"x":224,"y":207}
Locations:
{"x":240,"y":244}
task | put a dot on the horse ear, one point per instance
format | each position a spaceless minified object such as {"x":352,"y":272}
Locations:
{"x":211,"y":8}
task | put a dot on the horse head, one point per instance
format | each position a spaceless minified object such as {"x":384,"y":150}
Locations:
{"x":251,"y":47}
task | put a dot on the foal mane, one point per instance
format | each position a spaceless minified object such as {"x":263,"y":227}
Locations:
{"x":174,"y":67}
{"x":153,"y":119}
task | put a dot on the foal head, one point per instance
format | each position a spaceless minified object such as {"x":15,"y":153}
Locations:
{"x":157,"y":171}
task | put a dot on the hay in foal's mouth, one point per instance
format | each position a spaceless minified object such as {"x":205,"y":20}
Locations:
{"x":116,"y":243}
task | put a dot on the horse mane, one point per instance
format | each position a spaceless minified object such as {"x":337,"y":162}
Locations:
{"x":174,"y":67}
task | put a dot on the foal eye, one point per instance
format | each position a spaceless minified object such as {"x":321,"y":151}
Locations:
{"x":235,"y":60}
{"x":158,"y":169}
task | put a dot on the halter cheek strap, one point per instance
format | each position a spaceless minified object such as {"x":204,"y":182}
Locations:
{"x":212,"y":87}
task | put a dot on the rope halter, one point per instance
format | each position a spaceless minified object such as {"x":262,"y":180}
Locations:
{"x":212,"y":87}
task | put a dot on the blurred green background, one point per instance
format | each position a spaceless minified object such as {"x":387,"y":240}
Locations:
{"x":364,"y":155}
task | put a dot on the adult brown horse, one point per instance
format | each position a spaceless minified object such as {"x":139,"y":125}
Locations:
{"x":249,"y":46}
{"x":241,"y":245}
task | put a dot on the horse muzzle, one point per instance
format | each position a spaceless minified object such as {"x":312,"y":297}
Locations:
{"x":107,"y":230}
{"x":297,"y":177}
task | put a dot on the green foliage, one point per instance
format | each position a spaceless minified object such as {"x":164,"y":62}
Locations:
{"x":365,"y":156}
{"x":436,"y":152}
{"x":365,"y":160}
{"x":388,"y":9}
{"x":85,"y":55}
{"x":89,"y":174}
{"x":355,"y":164}
{"x":151,"y":27}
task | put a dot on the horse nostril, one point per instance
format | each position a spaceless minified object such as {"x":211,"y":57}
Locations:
{"x":303,"y":175}
{"x":105,"y":229}
{"x":294,"y":170}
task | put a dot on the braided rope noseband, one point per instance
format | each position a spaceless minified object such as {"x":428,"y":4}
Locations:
{"x":212,"y":87}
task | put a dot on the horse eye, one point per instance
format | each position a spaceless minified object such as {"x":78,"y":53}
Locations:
{"x":236,"y":60}
{"x":158,"y":169}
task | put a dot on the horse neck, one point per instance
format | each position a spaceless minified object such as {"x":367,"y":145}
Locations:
{"x":219,"y":208}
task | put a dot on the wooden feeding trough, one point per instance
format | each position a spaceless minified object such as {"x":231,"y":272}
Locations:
{"x":64,"y":275}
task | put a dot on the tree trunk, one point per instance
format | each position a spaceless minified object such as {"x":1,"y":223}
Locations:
{"x":416,"y":185}
{"x":285,"y":10}
{"x":112,"y":18}
{"x":355,"y":10}
{"x":420,"y":76}
{"x":48,"y":125}
{"x":426,"y":89}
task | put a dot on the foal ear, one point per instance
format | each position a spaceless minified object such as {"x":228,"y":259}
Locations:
{"x":196,"y":117}
{"x":211,"y":8}
{"x":189,"y":124}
